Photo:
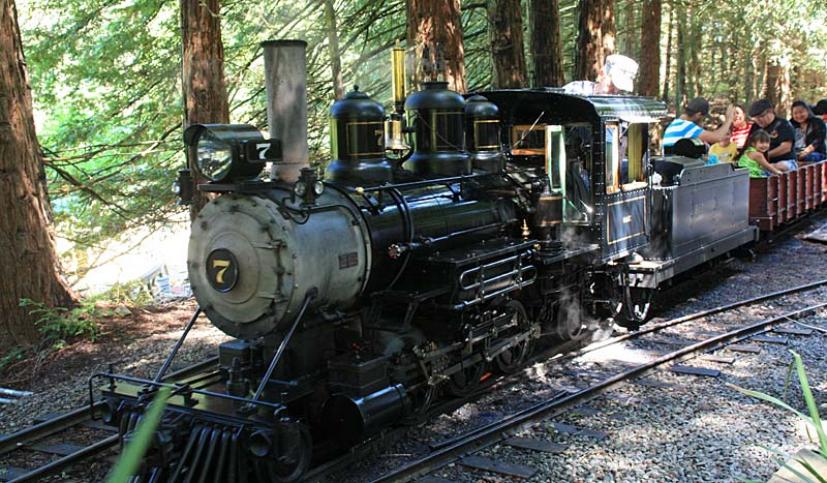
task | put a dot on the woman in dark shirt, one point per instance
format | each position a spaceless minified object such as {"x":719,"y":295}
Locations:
{"x":810,"y":131}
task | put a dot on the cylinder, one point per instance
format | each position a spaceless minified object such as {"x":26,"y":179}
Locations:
{"x":285,"y":74}
{"x":356,"y":419}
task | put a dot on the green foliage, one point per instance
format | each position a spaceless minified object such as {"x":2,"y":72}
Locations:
{"x":130,"y":459}
{"x":107,"y":90}
{"x":59,"y":324}
{"x":15,"y":354}
{"x":812,"y":418}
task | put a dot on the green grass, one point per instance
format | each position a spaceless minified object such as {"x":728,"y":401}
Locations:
{"x":130,"y":459}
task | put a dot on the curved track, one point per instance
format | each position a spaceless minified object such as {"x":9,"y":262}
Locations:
{"x":33,"y":438}
{"x":485,"y":436}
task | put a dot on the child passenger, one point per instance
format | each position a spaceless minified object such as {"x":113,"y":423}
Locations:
{"x":754,"y":155}
{"x":725,"y":150}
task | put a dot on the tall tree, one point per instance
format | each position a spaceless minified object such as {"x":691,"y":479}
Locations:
{"x":650,"y":48}
{"x":333,"y":49}
{"x":778,"y":88}
{"x":31,"y":268}
{"x":680,"y":70}
{"x":435,"y":31}
{"x":505,"y":31}
{"x":546,"y":47}
{"x":608,"y":30}
{"x":668,"y":67}
{"x":205,"y":92}
{"x":588,"y":54}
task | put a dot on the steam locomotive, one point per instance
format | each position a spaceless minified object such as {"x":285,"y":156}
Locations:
{"x":407,"y":274}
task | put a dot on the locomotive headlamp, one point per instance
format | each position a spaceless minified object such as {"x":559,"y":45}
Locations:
{"x":230,"y":152}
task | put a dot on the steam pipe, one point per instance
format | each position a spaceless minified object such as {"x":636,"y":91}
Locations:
{"x":285,"y":73}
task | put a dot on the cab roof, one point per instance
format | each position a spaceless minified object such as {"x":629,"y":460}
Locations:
{"x":556,"y":103}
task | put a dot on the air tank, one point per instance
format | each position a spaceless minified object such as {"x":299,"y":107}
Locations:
{"x":482,"y":134}
{"x":439,"y":132}
{"x":357,"y":135}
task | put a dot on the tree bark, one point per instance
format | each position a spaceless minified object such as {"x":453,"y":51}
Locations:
{"x":205,"y":92}
{"x":607,"y":28}
{"x":435,"y":31}
{"x":680,"y":74}
{"x":31,"y":268}
{"x":695,"y":49}
{"x":333,"y":49}
{"x":546,"y":47}
{"x":668,"y":69}
{"x":588,"y":57}
{"x":778,"y":86}
{"x":650,"y":49}
{"x":505,"y":32}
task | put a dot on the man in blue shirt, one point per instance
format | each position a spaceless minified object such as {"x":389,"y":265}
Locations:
{"x":686,"y":126}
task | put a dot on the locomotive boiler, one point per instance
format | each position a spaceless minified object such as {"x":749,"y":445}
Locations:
{"x":443,"y":241}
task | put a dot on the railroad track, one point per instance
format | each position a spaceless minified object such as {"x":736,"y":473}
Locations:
{"x":43,"y":443}
{"x":465,"y":444}
{"x":461,"y":447}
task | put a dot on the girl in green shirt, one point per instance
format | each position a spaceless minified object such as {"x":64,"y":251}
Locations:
{"x":754,"y":155}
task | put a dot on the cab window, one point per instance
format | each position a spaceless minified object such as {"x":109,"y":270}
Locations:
{"x":612,"y":156}
{"x":528,"y":140}
{"x":633,"y":159}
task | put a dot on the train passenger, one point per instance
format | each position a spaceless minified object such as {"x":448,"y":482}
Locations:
{"x":754,"y":155}
{"x":725,"y":151}
{"x":740,"y":126}
{"x":781,"y":134}
{"x":686,"y":126}
{"x":809,"y":133}
{"x":821,"y":109}
{"x":617,"y":75}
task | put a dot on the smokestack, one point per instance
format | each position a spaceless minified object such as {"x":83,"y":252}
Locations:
{"x":285,"y":73}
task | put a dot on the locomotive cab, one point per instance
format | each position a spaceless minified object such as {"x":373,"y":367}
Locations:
{"x":594,"y":151}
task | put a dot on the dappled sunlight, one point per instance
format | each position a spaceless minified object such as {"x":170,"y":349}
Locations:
{"x":618,"y":352}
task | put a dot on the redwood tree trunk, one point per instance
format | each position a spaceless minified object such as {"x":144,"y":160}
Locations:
{"x":205,"y":92}
{"x":435,"y":31}
{"x":588,"y":57}
{"x":607,"y":27}
{"x":546,"y":47}
{"x":680,"y":69}
{"x":650,"y":49}
{"x":333,"y":49}
{"x":778,"y":86}
{"x":31,"y":268}
{"x":505,"y":31}
{"x":668,"y":70}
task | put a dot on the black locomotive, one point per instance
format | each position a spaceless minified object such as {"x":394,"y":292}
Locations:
{"x":405,"y":275}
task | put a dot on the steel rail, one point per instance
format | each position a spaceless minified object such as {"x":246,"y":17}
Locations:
{"x":50,"y":427}
{"x":698,"y":315}
{"x":493,"y":433}
{"x":55,"y":466}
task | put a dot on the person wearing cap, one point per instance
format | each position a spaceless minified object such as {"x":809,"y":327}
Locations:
{"x":782,"y":135}
{"x":616,"y":76}
{"x":687,"y":125}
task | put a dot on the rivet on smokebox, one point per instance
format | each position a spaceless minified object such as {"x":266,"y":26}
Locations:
{"x":203,"y":225}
